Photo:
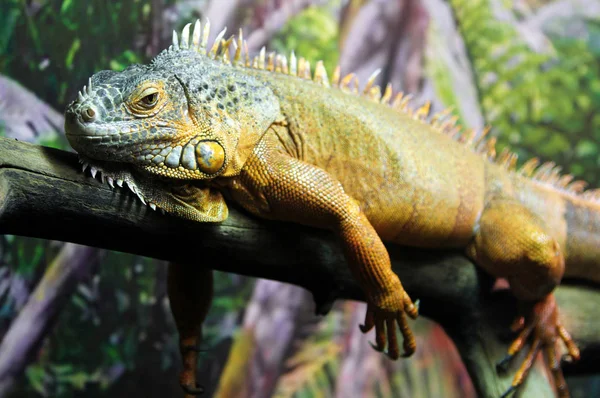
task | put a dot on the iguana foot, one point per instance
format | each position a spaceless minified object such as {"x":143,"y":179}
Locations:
{"x":541,"y":327}
{"x":192,"y":391}
{"x":187,"y":377}
{"x":384,"y":313}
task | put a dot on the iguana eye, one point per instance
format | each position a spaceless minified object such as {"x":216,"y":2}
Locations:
{"x":150,"y":100}
{"x":146,"y":102}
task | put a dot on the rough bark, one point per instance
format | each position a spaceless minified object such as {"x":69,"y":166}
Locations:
{"x":41,"y":188}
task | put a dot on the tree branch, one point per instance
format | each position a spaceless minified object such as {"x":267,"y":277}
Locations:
{"x":42,"y":194}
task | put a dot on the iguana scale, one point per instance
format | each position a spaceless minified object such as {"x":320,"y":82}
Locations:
{"x":194,"y":127}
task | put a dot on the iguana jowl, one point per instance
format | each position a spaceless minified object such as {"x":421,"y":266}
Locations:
{"x":193,"y":126}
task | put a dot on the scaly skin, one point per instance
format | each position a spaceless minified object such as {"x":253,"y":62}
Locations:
{"x":189,"y":127}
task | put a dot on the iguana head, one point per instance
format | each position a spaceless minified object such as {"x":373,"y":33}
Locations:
{"x":187,"y":115}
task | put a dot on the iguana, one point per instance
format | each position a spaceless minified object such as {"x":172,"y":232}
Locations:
{"x":198,"y":127}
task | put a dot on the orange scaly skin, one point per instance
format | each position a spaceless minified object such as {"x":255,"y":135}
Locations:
{"x":297,"y":150}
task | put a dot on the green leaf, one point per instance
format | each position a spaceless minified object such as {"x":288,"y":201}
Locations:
{"x":576,"y":169}
{"x":66,"y":5}
{"x":586,"y":148}
{"x":71,"y":54}
{"x":584,"y":101}
{"x":35,"y":375}
{"x":79,"y":380}
{"x":62,"y":369}
{"x":7,"y":28}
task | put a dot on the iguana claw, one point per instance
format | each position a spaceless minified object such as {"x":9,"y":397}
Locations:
{"x":196,"y":390}
{"x":374,"y":346}
{"x":502,"y":365}
{"x":540,"y":326}
{"x":509,"y":391}
{"x":387,"y":322}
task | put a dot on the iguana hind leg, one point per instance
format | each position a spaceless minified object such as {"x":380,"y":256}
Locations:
{"x":513,"y":243}
{"x":190,"y":290}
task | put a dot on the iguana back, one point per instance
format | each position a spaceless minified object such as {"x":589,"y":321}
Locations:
{"x":419,"y":185}
{"x":397,"y":167}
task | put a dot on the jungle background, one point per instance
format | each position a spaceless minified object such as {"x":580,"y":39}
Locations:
{"x":528,"y":68}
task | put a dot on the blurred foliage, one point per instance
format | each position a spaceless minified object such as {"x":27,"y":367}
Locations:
{"x":544,"y":103}
{"x":437,"y":70}
{"x":311,"y":370}
{"x":22,"y":262}
{"x":53,"y":46}
{"x":312,"y":34}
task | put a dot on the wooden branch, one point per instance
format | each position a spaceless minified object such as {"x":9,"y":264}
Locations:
{"x":43,"y":194}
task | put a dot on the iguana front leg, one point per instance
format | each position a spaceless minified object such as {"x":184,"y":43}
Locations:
{"x":274,"y":185}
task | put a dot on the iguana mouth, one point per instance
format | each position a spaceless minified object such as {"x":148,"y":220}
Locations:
{"x":158,"y":193}
{"x":114,"y":173}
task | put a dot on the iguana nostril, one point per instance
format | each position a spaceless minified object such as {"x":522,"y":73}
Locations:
{"x":88,"y":114}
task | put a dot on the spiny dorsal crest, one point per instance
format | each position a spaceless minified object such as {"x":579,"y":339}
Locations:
{"x":443,"y":121}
